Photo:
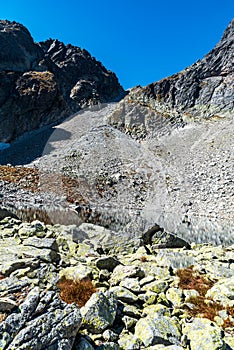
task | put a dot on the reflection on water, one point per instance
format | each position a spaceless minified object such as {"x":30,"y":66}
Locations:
{"x":49,"y":216}
{"x":75,"y":216}
{"x":197,"y":229}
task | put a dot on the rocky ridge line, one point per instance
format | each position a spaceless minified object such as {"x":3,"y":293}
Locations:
{"x":201,"y":92}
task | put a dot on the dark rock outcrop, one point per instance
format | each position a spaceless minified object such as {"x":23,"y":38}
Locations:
{"x":18,"y":51}
{"x":43,"y":83}
{"x":82,"y":79}
{"x":42,"y":321}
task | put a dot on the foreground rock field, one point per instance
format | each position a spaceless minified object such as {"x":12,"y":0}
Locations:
{"x":126,"y":296}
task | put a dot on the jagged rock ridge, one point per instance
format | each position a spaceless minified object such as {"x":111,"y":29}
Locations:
{"x":42,"y":83}
{"x":203,"y":90}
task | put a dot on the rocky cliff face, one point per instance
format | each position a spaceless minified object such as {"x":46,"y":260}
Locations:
{"x":203,"y":90}
{"x":42,"y":83}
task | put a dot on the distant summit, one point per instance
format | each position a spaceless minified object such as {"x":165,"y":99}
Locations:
{"x":41,"y":83}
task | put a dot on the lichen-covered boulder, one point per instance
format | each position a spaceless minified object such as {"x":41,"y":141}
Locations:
{"x":42,"y":321}
{"x":124,"y":294}
{"x":223,"y":291}
{"x":129,"y":342}
{"x":132,"y":284}
{"x":121,"y":272}
{"x":76,"y":273}
{"x":158,"y":330}
{"x":156,"y":286}
{"x":203,"y":334}
{"x":99,"y":312}
{"x":175,"y":296}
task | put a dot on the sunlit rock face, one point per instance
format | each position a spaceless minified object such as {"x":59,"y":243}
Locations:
{"x":203,"y":90}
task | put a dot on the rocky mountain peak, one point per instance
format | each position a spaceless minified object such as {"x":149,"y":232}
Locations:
{"x":18,"y":51}
{"x":229,"y":32}
{"x":41,"y":83}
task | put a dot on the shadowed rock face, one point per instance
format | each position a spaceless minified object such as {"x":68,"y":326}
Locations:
{"x":43,"y":83}
{"x":82,"y":78}
{"x":18,"y":51}
{"x":203,"y":90}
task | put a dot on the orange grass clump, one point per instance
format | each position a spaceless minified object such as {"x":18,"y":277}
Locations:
{"x":228,"y":324}
{"x":190,"y":279}
{"x":202,"y":306}
{"x":32,"y":180}
{"x":143,"y":258}
{"x":2,"y":317}
{"x":78,"y":292}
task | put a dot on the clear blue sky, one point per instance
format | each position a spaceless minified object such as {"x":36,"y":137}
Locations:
{"x":141,"y":41}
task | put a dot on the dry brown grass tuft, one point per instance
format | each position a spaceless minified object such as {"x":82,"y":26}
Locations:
{"x":202,"y":306}
{"x":190,"y":279}
{"x":143,"y":258}
{"x":2,"y":317}
{"x":32,"y":180}
{"x":228,"y":323}
{"x":26,"y":178}
{"x":78,"y":292}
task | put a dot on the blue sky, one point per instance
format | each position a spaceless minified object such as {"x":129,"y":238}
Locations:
{"x":141,"y":41}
